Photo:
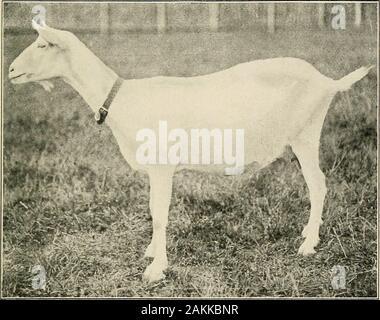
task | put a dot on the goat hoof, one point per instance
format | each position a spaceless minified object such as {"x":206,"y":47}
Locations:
{"x":153,"y":273}
{"x":149,"y":252}
{"x":307,"y":247}
{"x":306,"y":251}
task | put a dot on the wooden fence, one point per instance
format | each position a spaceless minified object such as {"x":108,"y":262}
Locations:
{"x":167,"y":17}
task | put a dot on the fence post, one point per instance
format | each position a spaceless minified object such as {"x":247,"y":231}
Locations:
{"x":214,"y":16}
{"x":161,"y":17}
{"x":271,"y":17}
{"x":369,"y":9}
{"x":358,"y":15}
{"x":321,"y":15}
{"x":104,"y":16}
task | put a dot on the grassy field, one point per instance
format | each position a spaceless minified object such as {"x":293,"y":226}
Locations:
{"x":72,"y":204}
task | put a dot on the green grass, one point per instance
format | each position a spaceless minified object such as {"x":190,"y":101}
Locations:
{"x":73,"y":205}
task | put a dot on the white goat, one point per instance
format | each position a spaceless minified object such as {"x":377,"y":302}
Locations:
{"x":278,"y":102}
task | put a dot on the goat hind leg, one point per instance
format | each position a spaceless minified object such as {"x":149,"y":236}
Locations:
{"x":150,"y":250}
{"x":308,"y":156}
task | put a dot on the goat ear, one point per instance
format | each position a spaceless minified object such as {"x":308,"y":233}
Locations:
{"x":51,"y":35}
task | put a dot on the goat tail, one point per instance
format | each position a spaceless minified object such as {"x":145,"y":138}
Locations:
{"x":347,"y":81}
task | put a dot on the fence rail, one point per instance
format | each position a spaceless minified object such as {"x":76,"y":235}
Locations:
{"x":164,"y":17}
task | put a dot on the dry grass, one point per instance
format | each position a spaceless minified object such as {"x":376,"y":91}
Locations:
{"x":72,"y":204}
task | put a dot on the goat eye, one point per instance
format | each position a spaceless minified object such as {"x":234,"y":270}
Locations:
{"x":41,"y":46}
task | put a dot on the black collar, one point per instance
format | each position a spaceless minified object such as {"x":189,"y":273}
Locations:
{"x":101,"y":115}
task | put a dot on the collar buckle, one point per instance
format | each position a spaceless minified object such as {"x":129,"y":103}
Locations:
{"x":101,"y":115}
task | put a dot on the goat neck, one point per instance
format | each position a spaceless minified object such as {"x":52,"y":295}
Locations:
{"x":89,"y":76}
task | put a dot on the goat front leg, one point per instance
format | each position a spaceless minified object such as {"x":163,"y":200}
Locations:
{"x":160,"y":195}
{"x":307,"y":155}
